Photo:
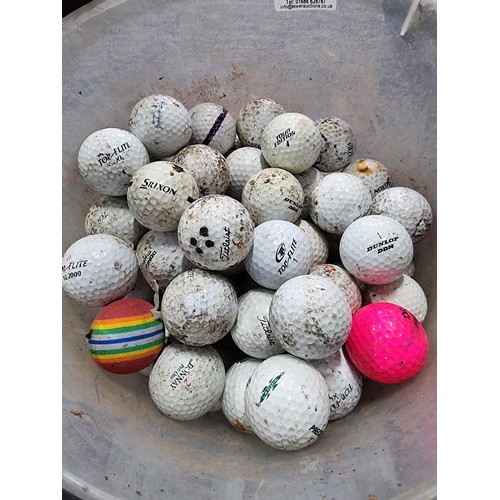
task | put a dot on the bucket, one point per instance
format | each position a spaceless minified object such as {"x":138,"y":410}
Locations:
{"x":370,"y":63}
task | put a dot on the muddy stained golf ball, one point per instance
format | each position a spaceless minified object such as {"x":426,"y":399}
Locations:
{"x":216,"y":232}
{"x":111,"y":215}
{"x":337,"y":200}
{"x":162,"y":124}
{"x":273,"y":193}
{"x":253,"y":118}
{"x":126,"y":336}
{"x":108,"y":158}
{"x":310,"y":316}
{"x":374,"y":174}
{"x":199,"y":307}
{"x":291,"y":141}
{"x":187,"y":381}
{"x":280,"y":251}
{"x":376,"y":249}
{"x":208,"y":167}
{"x":161,"y":258}
{"x":213,"y":125}
{"x":233,"y":397}
{"x":408,"y":207}
{"x":98,"y":269}
{"x":338,"y":146}
{"x":159,"y":193}
{"x":243,"y":164}
{"x":345,"y":383}
{"x":287,"y":403}
{"x":387,"y":343}
{"x":405,"y":292}
{"x":343,"y":280}
{"x":308,"y":179}
{"x":318,"y":241}
{"x":251,"y":331}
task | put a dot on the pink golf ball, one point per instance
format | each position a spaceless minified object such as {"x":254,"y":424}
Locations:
{"x":387,"y":343}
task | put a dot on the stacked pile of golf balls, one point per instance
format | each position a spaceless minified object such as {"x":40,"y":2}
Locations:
{"x":262,"y":234}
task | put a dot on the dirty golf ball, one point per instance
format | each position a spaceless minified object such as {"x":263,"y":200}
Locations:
{"x":287,"y":403}
{"x":99,"y":269}
{"x":374,"y":175}
{"x":215,"y":232}
{"x":387,"y":343}
{"x":126,"y":336}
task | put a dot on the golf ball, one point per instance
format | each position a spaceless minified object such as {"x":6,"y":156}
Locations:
{"x":374,"y":175}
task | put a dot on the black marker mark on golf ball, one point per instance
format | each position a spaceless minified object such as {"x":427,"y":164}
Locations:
{"x":215,"y":127}
{"x":208,"y":243}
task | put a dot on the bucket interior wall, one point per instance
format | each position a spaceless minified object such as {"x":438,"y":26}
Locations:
{"x":350,"y":62}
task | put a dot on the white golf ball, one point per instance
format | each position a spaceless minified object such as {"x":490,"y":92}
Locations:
{"x":111,"y":215}
{"x":159,"y":193}
{"x":280,"y":251}
{"x":253,"y":118}
{"x":291,"y":141}
{"x":213,"y":125}
{"x":108,"y":158}
{"x":343,"y":280}
{"x":374,"y":174}
{"x":273,"y":193}
{"x":310,"y":316}
{"x":233,"y":397}
{"x":405,"y":292}
{"x":186,"y":381}
{"x":308,"y":179}
{"x":251,"y":331}
{"x":337,"y":200}
{"x":338,"y":144}
{"x":199,"y":307}
{"x":161,"y":258}
{"x":243,"y":163}
{"x":408,"y":207}
{"x":318,"y":241}
{"x":287,"y":403}
{"x":208,"y":166}
{"x":99,"y":269}
{"x":376,"y":249}
{"x":345,"y":383}
{"x":216,"y":232}
{"x":162,"y":123}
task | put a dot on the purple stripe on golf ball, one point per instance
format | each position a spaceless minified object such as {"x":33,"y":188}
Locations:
{"x":215,"y":127}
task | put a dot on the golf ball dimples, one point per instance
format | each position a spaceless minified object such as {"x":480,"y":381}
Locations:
{"x":280,"y":251}
{"x":376,"y":249}
{"x":408,"y":207}
{"x":374,"y":175}
{"x":111,"y":215}
{"x":308,"y":179}
{"x":287,"y":403}
{"x":253,"y":118}
{"x":317,"y":238}
{"x":251,"y":331}
{"x":162,"y":124}
{"x":338,"y":144}
{"x":216,"y":232}
{"x":405,"y":292}
{"x":338,"y":200}
{"x":291,"y":141}
{"x":233,"y":397}
{"x":213,"y":125}
{"x":199,"y":307}
{"x":98,"y":269}
{"x":159,"y":193}
{"x":161,"y":258}
{"x":343,"y":280}
{"x":310,"y":317}
{"x":208,"y":166}
{"x":243,"y":163}
{"x":187,"y":381}
{"x":108,"y":158}
{"x":387,"y":343}
{"x":345,"y":383}
{"x":126,"y":337}
{"x":273,"y":193}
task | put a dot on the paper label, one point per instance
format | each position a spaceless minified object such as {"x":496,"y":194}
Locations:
{"x":284,"y":5}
